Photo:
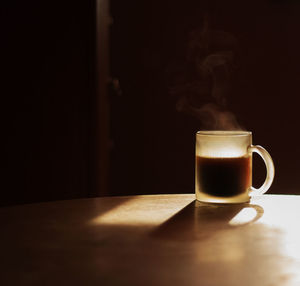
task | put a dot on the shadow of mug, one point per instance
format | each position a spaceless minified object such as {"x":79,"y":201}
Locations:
{"x":200,"y":220}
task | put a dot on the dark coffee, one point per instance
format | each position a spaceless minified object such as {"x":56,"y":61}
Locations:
{"x":223,"y":177}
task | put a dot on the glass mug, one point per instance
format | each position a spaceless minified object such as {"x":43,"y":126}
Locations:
{"x":224,"y":167}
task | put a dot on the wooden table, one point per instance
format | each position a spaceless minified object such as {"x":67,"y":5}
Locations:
{"x":152,"y":240}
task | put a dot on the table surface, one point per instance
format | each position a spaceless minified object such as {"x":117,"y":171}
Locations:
{"x":151,"y":240}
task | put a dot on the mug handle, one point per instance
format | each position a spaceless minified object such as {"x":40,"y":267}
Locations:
{"x":269,"y":166}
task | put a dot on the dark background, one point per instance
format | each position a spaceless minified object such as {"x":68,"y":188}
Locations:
{"x":48,"y":59}
{"x":154,"y":143}
{"x":50,"y":93}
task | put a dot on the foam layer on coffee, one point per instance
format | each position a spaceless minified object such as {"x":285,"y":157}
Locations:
{"x":221,"y":152}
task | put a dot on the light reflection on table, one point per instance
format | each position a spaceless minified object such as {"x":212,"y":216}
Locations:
{"x":152,"y":240}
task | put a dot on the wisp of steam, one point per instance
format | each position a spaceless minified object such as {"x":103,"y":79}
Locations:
{"x":205,"y":81}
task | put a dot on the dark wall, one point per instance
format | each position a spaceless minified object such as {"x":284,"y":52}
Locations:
{"x":50,"y":105}
{"x":48,"y":51}
{"x":153,"y":137}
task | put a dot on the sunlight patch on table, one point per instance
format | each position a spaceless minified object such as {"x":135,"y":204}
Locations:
{"x":245,"y":216}
{"x":132,"y":212}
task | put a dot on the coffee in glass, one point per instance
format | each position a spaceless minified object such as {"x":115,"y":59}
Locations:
{"x":224,"y":166}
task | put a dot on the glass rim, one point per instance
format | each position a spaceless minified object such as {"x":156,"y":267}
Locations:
{"x":224,"y":133}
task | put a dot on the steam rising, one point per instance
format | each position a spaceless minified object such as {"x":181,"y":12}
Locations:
{"x":205,"y":80}
{"x":211,"y":115}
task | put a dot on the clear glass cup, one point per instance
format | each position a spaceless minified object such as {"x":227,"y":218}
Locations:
{"x":224,"y":167}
